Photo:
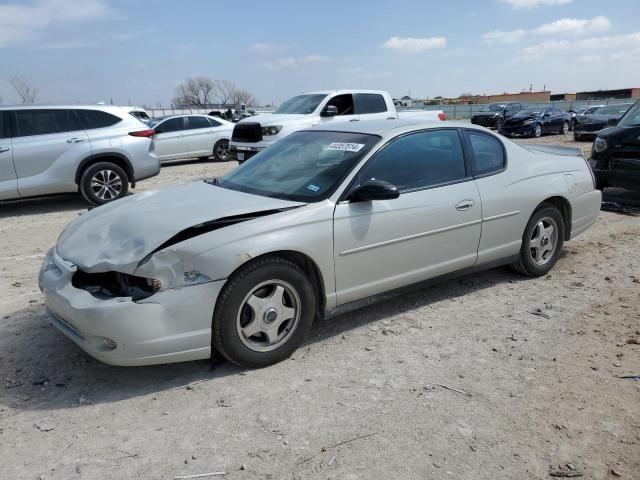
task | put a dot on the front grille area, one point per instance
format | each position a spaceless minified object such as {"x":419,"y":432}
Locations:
{"x":249,"y":132}
{"x":483,"y":120}
{"x":591,"y":127}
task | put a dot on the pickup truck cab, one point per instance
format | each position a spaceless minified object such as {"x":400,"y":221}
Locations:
{"x":254,"y":134}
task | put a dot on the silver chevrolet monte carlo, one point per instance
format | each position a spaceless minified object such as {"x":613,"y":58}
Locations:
{"x":318,"y":223}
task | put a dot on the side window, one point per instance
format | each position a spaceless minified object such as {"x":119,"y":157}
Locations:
{"x":3,"y":126}
{"x":42,"y":122}
{"x":214,"y":123}
{"x":370,"y":103}
{"x":418,"y":160}
{"x":344,"y":103}
{"x":171,"y":125}
{"x":96,"y":119}
{"x":197,"y":122}
{"x":488,"y":154}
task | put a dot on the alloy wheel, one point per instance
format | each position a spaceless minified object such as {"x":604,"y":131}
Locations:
{"x":222,"y":151}
{"x":268,"y":315}
{"x":537,"y":131}
{"x":544,"y":240}
{"x":106,"y":185}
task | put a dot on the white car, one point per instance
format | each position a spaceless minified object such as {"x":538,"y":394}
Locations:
{"x":327,"y":108}
{"x":318,"y":223}
{"x":188,"y":136}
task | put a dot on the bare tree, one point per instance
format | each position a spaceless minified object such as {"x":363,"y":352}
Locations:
{"x":241,"y":96}
{"x":224,"y":91}
{"x":195,"y":92}
{"x":25,"y":88}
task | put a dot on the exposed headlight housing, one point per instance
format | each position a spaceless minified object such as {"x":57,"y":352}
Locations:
{"x":271,"y":130}
{"x":531,"y":120}
{"x":600,"y":145}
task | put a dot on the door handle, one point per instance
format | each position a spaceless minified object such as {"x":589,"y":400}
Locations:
{"x":464,"y":205}
{"x":4,"y":149}
{"x":354,"y":120}
{"x":75,"y":140}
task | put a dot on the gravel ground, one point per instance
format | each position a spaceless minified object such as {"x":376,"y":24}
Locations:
{"x":459,"y":380}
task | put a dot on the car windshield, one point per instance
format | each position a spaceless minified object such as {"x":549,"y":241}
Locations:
{"x":493,"y":107}
{"x":613,"y":110}
{"x":302,"y":167}
{"x":632,"y":117}
{"x":301,"y":104}
{"x":528,"y":113}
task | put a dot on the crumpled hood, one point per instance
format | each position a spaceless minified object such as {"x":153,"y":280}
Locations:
{"x":280,"y":119}
{"x":120,"y":234}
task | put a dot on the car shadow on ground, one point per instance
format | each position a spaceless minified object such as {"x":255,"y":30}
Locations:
{"x":40,"y":205}
{"x":42,"y":369}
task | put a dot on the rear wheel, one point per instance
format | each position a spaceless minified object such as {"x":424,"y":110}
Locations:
{"x":221,"y":150}
{"x":537,"y":131}
{"x":103,"y":182}
{"x":565,"y":128}
{"x":263,"y":313}
{"x":542,"y":242}
{"x":576,"y":136}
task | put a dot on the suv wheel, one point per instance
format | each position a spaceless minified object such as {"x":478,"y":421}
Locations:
{"x":537,"y":131}
{"x":103,"y":182}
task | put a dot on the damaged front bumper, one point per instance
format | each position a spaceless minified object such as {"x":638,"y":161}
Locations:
{"x":172,"y":325}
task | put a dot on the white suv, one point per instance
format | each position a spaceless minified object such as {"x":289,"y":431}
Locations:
{"x":96,"y":150}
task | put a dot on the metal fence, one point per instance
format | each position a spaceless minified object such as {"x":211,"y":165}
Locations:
{"x":164,"y":111}
{"x":467,"y":111}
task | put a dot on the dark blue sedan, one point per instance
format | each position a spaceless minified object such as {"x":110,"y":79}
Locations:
{"x":534,"y":122}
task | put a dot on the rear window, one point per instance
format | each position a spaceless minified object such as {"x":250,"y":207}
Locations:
{"x":371,"y":103}
{"x":3,"y":126}
{"x":96,"y":119}
{"x":42,"y":122}
{"x":197,"y":122}
{"x":488,"y":153}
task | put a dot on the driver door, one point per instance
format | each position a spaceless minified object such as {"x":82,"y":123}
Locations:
{"x":346,"y":109}
{"x":431,"y":229}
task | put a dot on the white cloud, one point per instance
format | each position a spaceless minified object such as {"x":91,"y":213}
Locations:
{"x":587,"y":46}
{"x":267,"y":48}
{"x":20,"y":23}
{"x":499,"y":36}
{"x":519,"y":4}
{"x":566,"y":26}
{"x":414,"y":44}
{"x":575,"y":26}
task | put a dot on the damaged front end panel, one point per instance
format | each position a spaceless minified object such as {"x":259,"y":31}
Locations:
{"x":105,"y":285}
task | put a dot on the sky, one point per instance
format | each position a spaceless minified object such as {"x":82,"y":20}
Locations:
{"x":137,"y":52}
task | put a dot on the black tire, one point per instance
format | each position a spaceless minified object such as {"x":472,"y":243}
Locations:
{"x":499,"y":124}
{"x":113,"y":178}
{"x":221,"y":151}
{"x":537,"y":131}
{"x":600,"y":184}
{"x":231,"y":303}
{"x":565,"y":128}
{"x":526,"y":265}
{"x":576,"y":137}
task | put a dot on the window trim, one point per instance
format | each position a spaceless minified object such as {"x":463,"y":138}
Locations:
{"x":344,"y":196}
{"x":470,"y":155}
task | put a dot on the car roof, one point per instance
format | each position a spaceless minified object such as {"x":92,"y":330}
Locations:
{"x":105,"y":108}
{"x":390,"y":128}
{"x":355,"y":90}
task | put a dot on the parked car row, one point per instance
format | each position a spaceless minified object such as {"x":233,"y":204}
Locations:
{"x":588,"y":125}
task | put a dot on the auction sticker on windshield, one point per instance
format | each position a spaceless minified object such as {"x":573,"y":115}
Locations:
{"x":345,"y":147}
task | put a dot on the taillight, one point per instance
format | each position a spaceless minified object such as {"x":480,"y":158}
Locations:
{"x":143,"y":133}
{"x":442,"y":116}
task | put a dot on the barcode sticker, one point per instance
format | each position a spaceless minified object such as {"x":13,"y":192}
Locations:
{"x":345,"y":147}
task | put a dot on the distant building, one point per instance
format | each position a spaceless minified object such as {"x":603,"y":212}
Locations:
{"x":609,"y":94}
{"x":405,"y":101}
{"x":563,"y":97}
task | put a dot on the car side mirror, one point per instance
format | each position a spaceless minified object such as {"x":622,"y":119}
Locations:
{"x":374,"y":190}
{"x":612,"y":122}
{"x":329,"y":111}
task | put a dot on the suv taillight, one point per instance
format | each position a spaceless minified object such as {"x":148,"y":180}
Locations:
{"x":143,"y":133}
{"x":442,"y":116}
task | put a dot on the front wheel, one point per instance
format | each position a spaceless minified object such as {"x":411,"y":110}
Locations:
{"x":565,"y":128}
{"x":103,"y":182}
{"x":221,"y":150}
{"x":576,"y":136}
{"x":263,"y":313}
{"x":542,"y":242}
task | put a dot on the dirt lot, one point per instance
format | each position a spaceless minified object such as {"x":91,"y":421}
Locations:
{"x":459,"y":380}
